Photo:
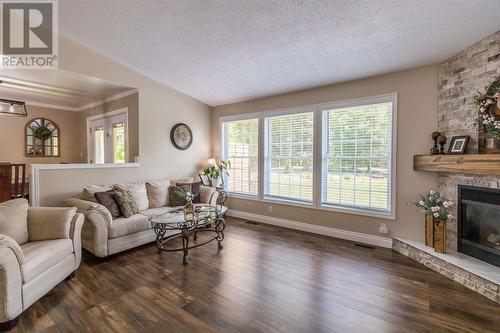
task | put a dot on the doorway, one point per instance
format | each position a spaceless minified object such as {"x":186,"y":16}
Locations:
{"x":107,"y":137}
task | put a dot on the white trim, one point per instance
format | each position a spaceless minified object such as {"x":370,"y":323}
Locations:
{"x":35,"y":174}
{"x":237,"y":117}
{"x":107,"y":99}
{"x":393,"y":98}
{"x":51,"y":106}
{"x":108,"y":114}
{"x":315,"y":229}
{"x":318,"y":152}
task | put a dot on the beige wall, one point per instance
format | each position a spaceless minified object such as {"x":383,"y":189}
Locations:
{"x":417,"y":115}
{"x":132,"y":103}
{"x":160,"y":107}
{"x":12,"y":136}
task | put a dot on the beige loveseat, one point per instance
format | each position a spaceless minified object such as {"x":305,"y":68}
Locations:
{"x":103,"y":236}
{"x":39,"y":248}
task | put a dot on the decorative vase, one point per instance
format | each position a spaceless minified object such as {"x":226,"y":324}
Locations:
{"x":429,"y":230}
{"x":439,"y":236}
{"x":189,"y":209}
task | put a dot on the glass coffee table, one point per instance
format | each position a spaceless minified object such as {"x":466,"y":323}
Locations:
{"x":206,"y":219}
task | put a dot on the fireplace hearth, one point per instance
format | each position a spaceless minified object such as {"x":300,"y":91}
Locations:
{"x":479,"y":223}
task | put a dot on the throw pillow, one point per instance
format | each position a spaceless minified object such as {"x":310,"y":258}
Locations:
{"x":89,"y":191}
{"x":108,"y":200}
{"x":174,"y":197}
{"x":126,"y":201}
{"x":139,"y":193}
{"x":194,"y":188}
{"x":158,"y":193}
{"x":14,"y":219}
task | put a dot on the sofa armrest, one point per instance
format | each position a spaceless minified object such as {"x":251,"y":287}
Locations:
{"x":75,"y":233}
{"x":49,"y":222}
{"x":11,"y":258}
{"x":208,"y":195}
{"x":98,"y":219}
{"x":87,"y":207}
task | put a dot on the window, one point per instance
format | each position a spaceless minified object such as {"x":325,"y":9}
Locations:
{"x":288,"y":169}
{"x":240,"y":140}
{"x":333,"y":156}
{"x":107,"y":138}
{"x":357,"y":156}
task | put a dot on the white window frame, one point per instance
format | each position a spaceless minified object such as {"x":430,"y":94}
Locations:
{"x":247,"y":116}
{"x":388,"y":98}
{"x":90,"y":139}
{"x":287,"y":112}
{"x":317,"y":109}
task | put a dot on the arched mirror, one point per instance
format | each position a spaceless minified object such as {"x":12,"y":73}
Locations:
{"x":42,"y":138}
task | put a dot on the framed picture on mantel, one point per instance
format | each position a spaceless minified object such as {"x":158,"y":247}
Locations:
{"x":458,"y":145}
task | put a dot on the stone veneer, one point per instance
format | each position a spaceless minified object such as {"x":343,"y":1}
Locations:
{"x":438,"y":263}
{"x":459,"y":79}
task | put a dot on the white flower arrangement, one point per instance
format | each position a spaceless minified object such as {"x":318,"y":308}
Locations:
{"x":436,"y":204}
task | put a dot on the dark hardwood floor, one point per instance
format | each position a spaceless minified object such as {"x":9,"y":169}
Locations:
{"x":266,"y":279}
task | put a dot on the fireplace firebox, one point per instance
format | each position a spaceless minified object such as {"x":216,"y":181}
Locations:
{"x":479,"y":223}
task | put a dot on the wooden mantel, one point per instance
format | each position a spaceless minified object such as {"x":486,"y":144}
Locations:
{"x":479,"y":164}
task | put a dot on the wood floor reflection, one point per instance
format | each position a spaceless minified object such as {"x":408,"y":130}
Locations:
{"x":266,"y":279}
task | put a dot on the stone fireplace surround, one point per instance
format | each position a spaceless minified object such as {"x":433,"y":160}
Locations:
{"x":459,"y":79}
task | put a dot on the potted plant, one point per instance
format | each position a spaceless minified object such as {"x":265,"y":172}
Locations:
{"x":437,"y":210}
{"x":216,"y":171}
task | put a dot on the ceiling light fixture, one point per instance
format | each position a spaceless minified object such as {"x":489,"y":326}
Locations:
{"x":13,"y":108}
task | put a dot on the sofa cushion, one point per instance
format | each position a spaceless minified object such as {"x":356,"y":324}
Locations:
{"x":89,"y":191}
{"x":108,"y":200}
{"x":46,"y":223}
{"x":126,"y":201}
{"x":194,"y":188}
{"x":175,"y":197}
{"x":14,"y":219}
{"x":139,"y":193}
{"x":42,"y":255}
{"x":158,"y":192}
{"x":157,"y":211}
{"x":125,"y":226}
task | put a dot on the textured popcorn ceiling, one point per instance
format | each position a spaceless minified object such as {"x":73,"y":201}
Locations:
{"x":222,"y":51}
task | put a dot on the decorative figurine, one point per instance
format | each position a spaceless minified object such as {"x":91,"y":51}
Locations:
{"x":441,"y":140}
{"x":435,"y":149}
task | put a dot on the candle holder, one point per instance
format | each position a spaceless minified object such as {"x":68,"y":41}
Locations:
{"x":435,"y":149}
{"x":441,"y":140}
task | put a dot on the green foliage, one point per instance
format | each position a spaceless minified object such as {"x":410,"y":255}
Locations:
{"x":42,"y":133}
{"x":216,"y":171}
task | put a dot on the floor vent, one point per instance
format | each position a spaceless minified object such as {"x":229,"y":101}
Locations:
{"x":365,"y":246}
{"x":251,"y":222}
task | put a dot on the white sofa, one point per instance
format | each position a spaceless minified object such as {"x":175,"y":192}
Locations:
{"x":103,"y":236}
{"x":39,"y":248}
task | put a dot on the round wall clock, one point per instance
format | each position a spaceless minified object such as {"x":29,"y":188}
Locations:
{"x":181,"y":136}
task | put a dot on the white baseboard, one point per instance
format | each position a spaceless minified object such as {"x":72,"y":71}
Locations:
{"x":315,"y":229}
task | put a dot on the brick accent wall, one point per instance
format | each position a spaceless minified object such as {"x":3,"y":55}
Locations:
{"x":459,"y":78}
